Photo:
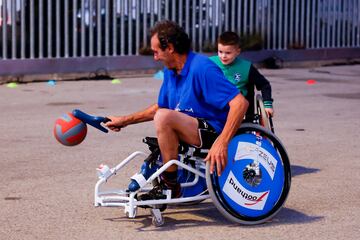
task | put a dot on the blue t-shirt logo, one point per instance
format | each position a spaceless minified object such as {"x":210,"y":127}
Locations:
{"x":177,"y":108}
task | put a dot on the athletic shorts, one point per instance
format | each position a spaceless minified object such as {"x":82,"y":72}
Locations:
{"x":207,"y":134}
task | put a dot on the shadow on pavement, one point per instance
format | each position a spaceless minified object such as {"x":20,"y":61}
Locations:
{"x":205,"y":214}
{"x":297,"y":170}
{"x":291,"y":216}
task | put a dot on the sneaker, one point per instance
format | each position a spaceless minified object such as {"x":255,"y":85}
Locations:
{"x":154,"y":194}
{"x":139,"y":180}
{"x":158,"y":192}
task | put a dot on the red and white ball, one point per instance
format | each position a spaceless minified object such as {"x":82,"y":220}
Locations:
{"x":69,"y":130}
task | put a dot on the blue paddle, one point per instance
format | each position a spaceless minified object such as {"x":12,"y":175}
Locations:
{"x":94,"y":121}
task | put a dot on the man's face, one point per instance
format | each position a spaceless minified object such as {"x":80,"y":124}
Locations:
{"x":165,"y":56}
{"x":227,"y":53}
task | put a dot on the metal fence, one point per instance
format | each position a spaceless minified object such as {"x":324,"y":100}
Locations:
{"x":42,"y":29}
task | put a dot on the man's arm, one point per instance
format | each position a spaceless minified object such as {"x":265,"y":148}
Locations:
{"x":119,"y":122}
{"x":218,"y":152}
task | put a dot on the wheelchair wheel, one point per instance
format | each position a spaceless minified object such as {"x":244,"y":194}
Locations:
{"x":260,"y":109}
{"x":256,"y":181}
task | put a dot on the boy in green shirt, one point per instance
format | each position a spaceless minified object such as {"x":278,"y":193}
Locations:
{"x":240,"y":72}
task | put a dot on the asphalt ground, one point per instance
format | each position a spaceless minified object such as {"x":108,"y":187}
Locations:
{"x":46,"y":189}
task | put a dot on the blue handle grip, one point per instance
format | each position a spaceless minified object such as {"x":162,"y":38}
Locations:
{"x":94,"y":121}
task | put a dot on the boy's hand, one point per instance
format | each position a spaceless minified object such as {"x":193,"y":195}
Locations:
{"x":269,"y":112}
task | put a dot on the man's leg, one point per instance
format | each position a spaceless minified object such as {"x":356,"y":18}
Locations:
{"x":172,"y":127}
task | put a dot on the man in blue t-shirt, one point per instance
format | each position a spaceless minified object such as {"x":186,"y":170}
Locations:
{"x":196,"y":105}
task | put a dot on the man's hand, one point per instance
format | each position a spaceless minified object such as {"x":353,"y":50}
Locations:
{"x":217,"y":155}
{"x":119,"y":122}
{"x":116,"y":123}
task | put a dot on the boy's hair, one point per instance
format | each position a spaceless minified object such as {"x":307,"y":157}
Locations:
{"x":171,"y":32}
{"x":229,"y":38}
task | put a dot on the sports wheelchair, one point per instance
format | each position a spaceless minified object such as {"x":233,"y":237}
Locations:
{"x":251,"y":190}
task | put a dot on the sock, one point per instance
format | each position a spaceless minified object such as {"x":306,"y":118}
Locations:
{"x":169,"y":178}
{"x":170,"y":181}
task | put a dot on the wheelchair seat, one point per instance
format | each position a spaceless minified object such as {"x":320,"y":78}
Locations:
{"x":184,"y":148}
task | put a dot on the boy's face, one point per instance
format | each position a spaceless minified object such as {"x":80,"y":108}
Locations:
{"x":228,"y":53}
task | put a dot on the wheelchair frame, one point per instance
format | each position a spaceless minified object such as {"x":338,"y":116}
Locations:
{"x":128,"y":200}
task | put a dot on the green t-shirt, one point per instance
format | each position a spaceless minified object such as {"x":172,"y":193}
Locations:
{"x":237,"y":72}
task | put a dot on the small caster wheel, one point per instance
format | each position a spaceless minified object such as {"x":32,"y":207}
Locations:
{"x":128,"y":214}
{"x":157,"y":219}
{"x":157,"y":223}
{"x":161,"y":207}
